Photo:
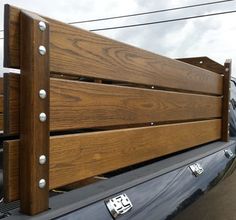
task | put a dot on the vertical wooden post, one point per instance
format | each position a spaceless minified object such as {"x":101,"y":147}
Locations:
{"x":34,"y":113}
{"x":226,"y":99}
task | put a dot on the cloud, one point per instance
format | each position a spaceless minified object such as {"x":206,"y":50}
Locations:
{"x":212,"y":36}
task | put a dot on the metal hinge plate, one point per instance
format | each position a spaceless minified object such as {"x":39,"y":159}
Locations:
{"x":196,"y":169}
{"x":119,"y":205}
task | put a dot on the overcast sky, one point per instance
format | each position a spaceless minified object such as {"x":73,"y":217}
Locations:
{"x":214,"y":37}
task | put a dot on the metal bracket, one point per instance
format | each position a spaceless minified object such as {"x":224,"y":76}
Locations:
{"x":119,"y":205}
{"x":196,"y":169}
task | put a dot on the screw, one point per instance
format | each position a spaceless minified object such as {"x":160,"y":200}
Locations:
{"x":42,"y":183}
{"x":153,"y":87}
{"x":42,"y":159}
{"x":42,"y":117}
{"x":201,"y":62}
{"x":42,"y":94}
{"x":42,"y":50}
{"x":227,"y":69}
{"x":42,"y":26}
{"x":152,"y":123}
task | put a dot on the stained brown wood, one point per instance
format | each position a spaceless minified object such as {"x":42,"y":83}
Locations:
{"x":1,"y":122}
{"x":226,"y":99}
{"x":77,"y":105}
{"x":34,"y":134}
{"x":1,"y":85}
{"x":79,"y":156}
{"x":103,"y":58}
{"x":1,"y":103}
{"x":205,"y":63}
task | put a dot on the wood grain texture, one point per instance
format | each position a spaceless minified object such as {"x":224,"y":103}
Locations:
{"x":34,"y":134}
{"x":78,"y":52}
{"x":78,"y":105}
{"x":1,"y":86}
{"x":205,"y":63}
{"x":1,"y":103}
{"x":226,"y":100}
{"x":80,"y":156}
{"x":1,"y":122}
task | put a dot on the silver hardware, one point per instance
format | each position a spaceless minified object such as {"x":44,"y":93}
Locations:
{"x":42,"y":50}
{"x":152,"y":87}
{"x":42,"y":26}
{"x":42,"y":159}
{"x":201,"y":62}
{"x":42,"y":94}
{"x":229,"y":154}
{"x":196,"y":169}
{"x":227,"y":69}
{"x":42,"y":117}
{"x":42,"y":183}
{"x":119,"y":205}
{"x":152,"y":123}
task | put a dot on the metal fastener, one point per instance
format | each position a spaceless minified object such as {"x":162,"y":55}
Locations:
{"x":196,"y":169}
{"x":152,"y":123}
{"x":42,"y":26}
{"x":42,"y":183}
{"x":227,"y":69}
{"x":152,"y":87}
{"x":42,"y":159}
{"x":201,"y":62}
{"x":42,"y":94}
{"x":42,"y":50}
{"x":229,"y":154}
{"x":42,"y":117}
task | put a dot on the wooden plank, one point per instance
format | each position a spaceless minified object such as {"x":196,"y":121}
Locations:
{"x":205,"y":63}
{"x":226,"y":100}
{"x":103,"y":58}
{"x":1,"y":122}
{"x":34,"y":132}
{"x":78,"y":105}
{"x":1,"y":85}
{"x":1,"y":103}
{"x":80,"y":156}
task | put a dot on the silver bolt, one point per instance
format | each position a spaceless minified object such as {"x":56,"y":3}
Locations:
{"x":42,"y":117}
{"x":42,"y":183}
{"x":42,"y":94}
{"x":42,"y":50}
{"x":42,"y":159}
{"x":42,"y":26}
{"x":152,"y":123}
{"x":226,"y":69}
{"x":201,"y":62}
{"x":153,"y":87}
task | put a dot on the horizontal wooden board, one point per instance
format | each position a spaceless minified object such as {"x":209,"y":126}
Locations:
{"x":205,"y":63}
{"x":1,"y":85}
{"x":1,"y":122}
{"x":1,"y":103}
{"x":77,"y":105}
{"x":79,"y":156}
{"x":78,"y":52}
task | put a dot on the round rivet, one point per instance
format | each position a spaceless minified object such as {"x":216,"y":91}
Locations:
{"x":42,"y":159}
{"x":201,"y":62}
{"x":42,"y":26}
{"x":42,"y":50}
{"x":42,"y":94}
{"x":42,"y":117}
{"x":153,"y":87}
{"x":152,"y":123}
{"x":42,"y":183}
{"x":227,"y":69}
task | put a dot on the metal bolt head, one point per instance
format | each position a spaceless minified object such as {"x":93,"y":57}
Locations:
{"x":201,"y":62}
{"x":42,"y":117}
{"x":226,"y":69}
{"x":42,"y":26}
{"x":152,"y":87}
{"x":42,"y":50}
{"x":42,"y":159}
{"x":42,"y":183}
{"x":42,"y":94}
{"x":152,"y":123}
